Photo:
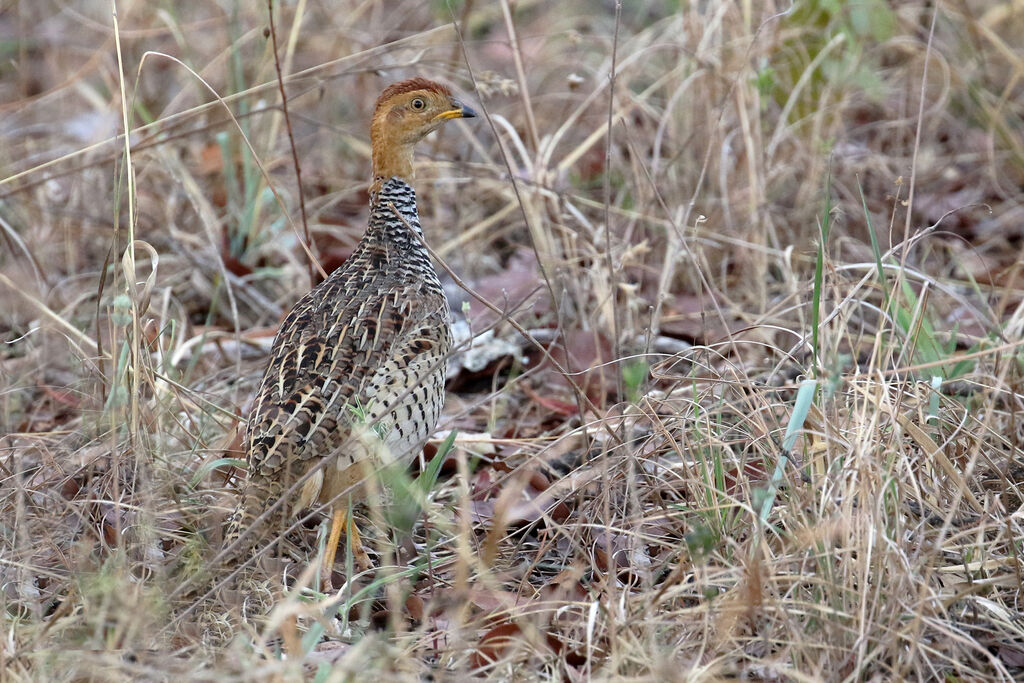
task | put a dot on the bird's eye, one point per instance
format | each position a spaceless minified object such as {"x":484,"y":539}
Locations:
{"x":418,"y":104}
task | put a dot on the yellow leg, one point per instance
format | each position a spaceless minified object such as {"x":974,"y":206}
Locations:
{"x":338,"y":522}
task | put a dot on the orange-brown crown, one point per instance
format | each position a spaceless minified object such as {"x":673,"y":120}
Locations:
{"x":405,"y":113}
{"x":410,"y":85}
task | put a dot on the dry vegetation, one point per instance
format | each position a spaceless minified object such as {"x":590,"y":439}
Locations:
{"x":750,"y":409}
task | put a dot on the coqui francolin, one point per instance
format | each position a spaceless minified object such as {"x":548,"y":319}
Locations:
{"x":356,"y":373}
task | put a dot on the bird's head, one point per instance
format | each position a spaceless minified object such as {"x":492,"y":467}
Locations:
{"x":405,"y":113}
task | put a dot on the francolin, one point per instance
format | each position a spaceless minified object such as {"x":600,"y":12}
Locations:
{"x":356,"y":372}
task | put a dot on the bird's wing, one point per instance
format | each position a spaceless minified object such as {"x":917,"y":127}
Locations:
{"x":325,"y":352}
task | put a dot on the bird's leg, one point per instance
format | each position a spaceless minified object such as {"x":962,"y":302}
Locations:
{"x":338,"y":522}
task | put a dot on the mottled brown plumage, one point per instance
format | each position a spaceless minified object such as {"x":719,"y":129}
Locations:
{"x":356,"y":372}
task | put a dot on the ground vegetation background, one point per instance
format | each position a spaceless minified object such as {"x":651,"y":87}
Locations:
{"x":743,"y":284}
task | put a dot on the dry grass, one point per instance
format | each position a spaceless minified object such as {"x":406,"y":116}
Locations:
{"x":650,"y":495}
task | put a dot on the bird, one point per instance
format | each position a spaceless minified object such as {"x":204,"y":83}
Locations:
{"x":355,"y":377}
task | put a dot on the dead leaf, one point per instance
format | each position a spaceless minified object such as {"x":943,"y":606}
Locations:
{"x":494,"y":644}
{"x":508,"y":287}
{"x":550,"y":403}
{"x":414,"y":606}
{"x":1011,"y":656}
{"x":210,"y":159}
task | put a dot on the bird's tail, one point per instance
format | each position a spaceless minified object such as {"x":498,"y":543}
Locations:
{"x":252,"y":519}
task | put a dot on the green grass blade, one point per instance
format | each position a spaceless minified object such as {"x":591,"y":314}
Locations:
{"x":819,"y":273}
{"x":804,"y":397}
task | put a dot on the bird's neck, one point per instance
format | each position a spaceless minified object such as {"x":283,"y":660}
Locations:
{"x":390,"y":159}
{"x":393,"y":242}
{"x":393,"y":214}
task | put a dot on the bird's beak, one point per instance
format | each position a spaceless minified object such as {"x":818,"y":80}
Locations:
{"x":458,"y":111}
